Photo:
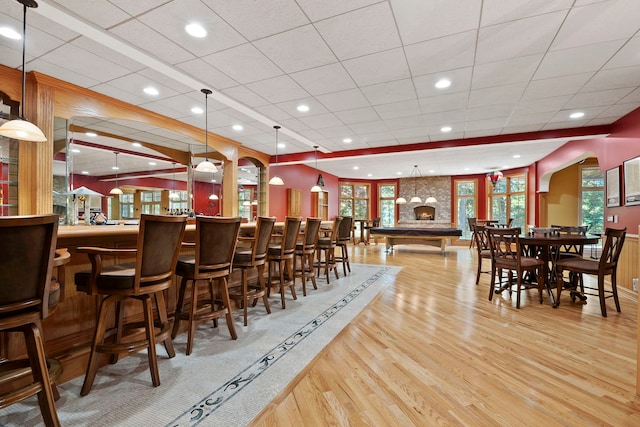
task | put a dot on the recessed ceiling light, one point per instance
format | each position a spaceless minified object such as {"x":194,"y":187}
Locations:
{"x":149,"y":90}
{"x":10,"y":33}
{"x":197,"y":110}
{"x":85,"y":172}
{"x":445,"y":129}
{"x":281,"y":145}
{"x":466,"y":169}
{"x":75,"y":150}
{"x":398,"y":173}
{"x":577,"y":115}
{"x":369,"y":174}
{"x":355,"y":168}
{"x":91,"y":134}
{"x":347,"y":140}
{"x":213,"y":180}
{"x":443,"y":83}
{"x":432,"y":171}
{"x":237,"y":127}
{"x":115,"y":168}
{"x":516,"y":156}
{"x":137,"y":144}
{"x":303,"y":108}
{"x":196,"y":30}
{"x":152,"y":163}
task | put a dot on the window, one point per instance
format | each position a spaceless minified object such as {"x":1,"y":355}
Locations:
{"x":354,"y":201}
{"x":387,"y":204}
{"x":507,"y":199}
{"x":150,"y":202}
{"x":244,"y":203}
{"x":592,"y":198}
{"x":465,"y":204}
{"x":179,"y":203}
{"x":127,"y":209}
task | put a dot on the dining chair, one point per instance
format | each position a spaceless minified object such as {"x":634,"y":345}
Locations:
{"x":507,"y":254}
{"x":252,"y":257}
{"x":375,"y":223}
{"x":305,"y":253}
{"x":327,"y":245}
{"x":472,"y":221}
{"x":210,"y":265}
{"x":482,"y":248}
{"x":26,"y":263}
{"x":280,"y":258}
{"x":345,"y":232}
{"x":145,"y":280}
{"x":607,"y":265}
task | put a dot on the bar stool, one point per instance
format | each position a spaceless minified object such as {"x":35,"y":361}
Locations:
{"x":305,"y":252}
{"x":215,"y":244}
{"x":327,"y":246}
{"x":344,"y":237}
{"x":26,"y":262}
{"x":280,"y":258}
{"x":247,"y":258}
{"x":156,"y":255}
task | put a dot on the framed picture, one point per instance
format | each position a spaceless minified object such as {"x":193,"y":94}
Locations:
{"x":613,"y":187}
{"x":632,"y":182}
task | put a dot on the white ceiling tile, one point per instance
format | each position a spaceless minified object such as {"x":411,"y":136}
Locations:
{"x":628,"y":56}
{"x":257,"y":19}
{"x":519,"y":129}
{"x":338,"y":132}
{"x":344,"y":100}
{"x":444,"y":17}
{"x":274,"y":112}
{"x":63,"y":74}
{"x":385,"y":93}
{"x":209,"y":75}
{"x":404,"y":122}
{"x":245,"y":63}
{"x":554,"y":86}
{"x":499,"y":11}
{"x":321,"y":121}
{"x":162,"y":79}
{"x":399,"y":109}
{"x":389,"y":65}
{"x":298,"y":49}
{"x":244,"y":95}
{"x":453,"y":101}
{"x":496,"y":95}
{"x":171,"y":19}
{"x":505,"y":72}
{"x":594,"y":99}
{"x":107,"y":53}
{"x":358,"y":115}
{"x":137,"y":7}
{"x":589,"y":113}
{"x":633,"y":97}
{"x":121,"y":94}
{"x":449,"y":118}
{"x":541,"y":105}
{"x":278,"y":89}
{"x":153,"y":42}
{"x":492,"y":124}
{"x":489,"y":112}
{"x":317,"y":10}
{"x":598,"y":22}
{"x":514,"y":39}
{"x":368,"y":128}
{"x":361,"y":32}
{"x":101,"y":12}
{"x":92,"y":66}
{"x":528,"y":119}
{"x":614,"y":112}
{"x":614,"y":78}
{"x":446,"y":53}
{"x":325,"y":79}
{"x":576,"y":60}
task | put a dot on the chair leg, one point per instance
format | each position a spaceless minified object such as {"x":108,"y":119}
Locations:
{"x":161,"y":306}
{"x":98,"y":338}
{"x":614,"y":289}
{"x":179,"y":307}
{"x":312,"y":273}
{"x":263,"y":288}
{"x":290,"y":272}
{"x":245,"y":301}
{"x":479,"y":269}
{"x":192,"y":314}
{"x":492,"y":286}
{"x":281,"y":279}
{"x":601,"y":295}
{"x":224,"y":293}
{"x":151,"y":339}
{"x":35,"y":349}
{"x":119,"y":325}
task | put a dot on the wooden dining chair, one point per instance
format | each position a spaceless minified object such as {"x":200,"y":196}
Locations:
{"x":26,"y":262}
{"x":472,"y":221}
{"x":253,"y":256}
{"x":210,"y":265}
{"x":280,"y":258}
{"x":507,"y":254}
{"x":345,"y":232}
{"x":607,"y":265}
{"x":482,"y":248}
{"x":145,"y":280}
{"x":305,"y":254}
{"x":326,"y":246}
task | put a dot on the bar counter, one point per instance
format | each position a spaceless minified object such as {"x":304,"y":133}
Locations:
{"x":69,"y":329}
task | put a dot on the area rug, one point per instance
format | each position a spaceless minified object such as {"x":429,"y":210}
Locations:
{"x":223,"y":382}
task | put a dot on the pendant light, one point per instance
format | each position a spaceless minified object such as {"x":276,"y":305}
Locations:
{"x":415,"y":198}
{"x":213,"y":195}
{"x":173,"y":195}
{"x":276,"y":180}
{"x":21,"y":128}
{"x":116,"y":190}
{"x":316,"y":188}
{"x":206,"y":166}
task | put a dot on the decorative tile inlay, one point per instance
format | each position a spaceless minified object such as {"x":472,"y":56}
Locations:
{"x":200,"y":411}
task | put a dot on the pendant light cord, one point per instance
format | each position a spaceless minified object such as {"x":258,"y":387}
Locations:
{"x":24,"y":49}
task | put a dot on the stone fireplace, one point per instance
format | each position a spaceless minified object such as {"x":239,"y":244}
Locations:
{"x":426,"y":213}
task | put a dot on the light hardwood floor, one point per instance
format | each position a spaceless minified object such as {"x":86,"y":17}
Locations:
{"x":432,"y":350}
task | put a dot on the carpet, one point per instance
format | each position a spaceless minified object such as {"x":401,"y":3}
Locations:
{"x":223,"y":382}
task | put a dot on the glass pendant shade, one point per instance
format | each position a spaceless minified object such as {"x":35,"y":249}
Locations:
{"x":415,"y":199}
{"x":276,"y":180}
{"x":401,"y":201}
{"x":431,"y":200}
{"x":206,"y":166}
{"x":316,"y":189}
{"x":213,"y":196}
{"x":116,"y":190}
{"x":22,"y":129}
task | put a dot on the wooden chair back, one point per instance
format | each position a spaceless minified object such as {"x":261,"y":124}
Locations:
{"x":611,"y":250}
{"x":290,"y":235}
{"x":504,"y":244}
{"x":311,"y":233}
{"x":264,"y":229}
{"x":216,"y":240}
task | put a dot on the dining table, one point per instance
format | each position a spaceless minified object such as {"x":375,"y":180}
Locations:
{"x":363,"y":223}
{"x":546,"y":246}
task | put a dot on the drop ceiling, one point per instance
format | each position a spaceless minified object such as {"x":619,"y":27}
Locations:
{"x":366,"y":69}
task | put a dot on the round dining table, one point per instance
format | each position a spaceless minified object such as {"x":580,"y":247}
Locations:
{"x":545,"y":245}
